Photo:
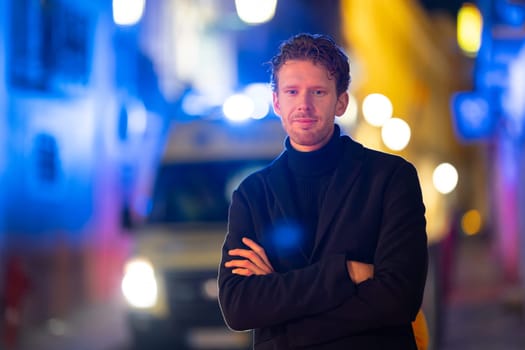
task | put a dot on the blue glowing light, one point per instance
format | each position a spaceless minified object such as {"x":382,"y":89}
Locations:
{"x":510,"y":13}
{"x":286,"y":236}
{"x":513,"y":98}
{"x":472,"y":116}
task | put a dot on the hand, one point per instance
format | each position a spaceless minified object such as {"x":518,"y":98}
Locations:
{"x":255,"y":263}
{"x":359,"y":271}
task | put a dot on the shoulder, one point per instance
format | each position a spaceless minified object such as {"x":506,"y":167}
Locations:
{"x":374,"y":161}
{"x":260,"y":178}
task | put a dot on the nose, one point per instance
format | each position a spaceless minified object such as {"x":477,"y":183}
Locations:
{"x":305,"y":102}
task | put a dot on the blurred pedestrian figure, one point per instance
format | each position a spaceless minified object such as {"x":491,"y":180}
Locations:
{"x":16,"y":288}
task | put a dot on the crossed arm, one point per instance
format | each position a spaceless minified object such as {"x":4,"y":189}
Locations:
{"x":254,"y":261}
{"x":320,"y":295}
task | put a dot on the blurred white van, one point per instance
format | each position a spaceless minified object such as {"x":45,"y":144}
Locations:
{"x":170,"y":281}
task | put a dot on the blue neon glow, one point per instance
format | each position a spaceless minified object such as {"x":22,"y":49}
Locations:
{"x":509,"y":13}
{"x":513,"y":99}
{"x":472,"y":116}
{"x":286,"y":236}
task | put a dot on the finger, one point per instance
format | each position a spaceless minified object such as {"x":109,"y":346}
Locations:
{"x":249,"y":265}
{"x":246,"y":264}
{"x":258,"y":250}
{"x":253,"y":257}
{"x":359,"y":271}
{"x":242,"y":272}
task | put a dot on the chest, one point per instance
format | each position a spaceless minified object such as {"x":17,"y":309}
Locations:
{"x":294,"y":238}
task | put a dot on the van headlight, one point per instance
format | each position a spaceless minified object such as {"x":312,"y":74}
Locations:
{"x":139,"y":285}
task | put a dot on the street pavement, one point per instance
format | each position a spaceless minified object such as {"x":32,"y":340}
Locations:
{"x":94,"y":327}
{"x":482,"y":312}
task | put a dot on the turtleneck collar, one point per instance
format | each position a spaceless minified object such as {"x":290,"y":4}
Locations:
{"x":318,"y":162}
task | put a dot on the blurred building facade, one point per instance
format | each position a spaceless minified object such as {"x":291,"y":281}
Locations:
{"x":500,"y":64}
{"x":3,"y":138}
{"x":67,"y":150}
{"x":413,"y":59}
{"x":3,"y":122}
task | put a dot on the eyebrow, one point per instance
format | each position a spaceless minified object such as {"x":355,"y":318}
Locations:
{"x":294,"y":86}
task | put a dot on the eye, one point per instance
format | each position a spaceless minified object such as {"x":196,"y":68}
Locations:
{"x":319,"y":92}
{"x":290,"y":92}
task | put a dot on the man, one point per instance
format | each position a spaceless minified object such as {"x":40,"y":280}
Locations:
{"x":326,"y":247}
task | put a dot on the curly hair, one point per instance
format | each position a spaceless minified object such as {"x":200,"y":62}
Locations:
{"x":318,"y":48}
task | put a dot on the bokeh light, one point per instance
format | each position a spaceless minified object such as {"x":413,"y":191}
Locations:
{"x":445,"y":178}
{"x":139,"y":285}
{"x":471,"y":222}
{"x":127,"y":12}
{"x":238,"y":108}
{"x":396,"y":134}
{"x":261,"y":96}
{"x":255,"y":11}
{"x":469,"y":27}
{"x":349,"y":118}
{"x":377,"y":109}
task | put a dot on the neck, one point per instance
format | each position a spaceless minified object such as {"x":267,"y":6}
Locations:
{"x":317,"y":162}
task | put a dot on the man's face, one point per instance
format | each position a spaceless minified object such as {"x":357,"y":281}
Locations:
{"x":307,"y":102}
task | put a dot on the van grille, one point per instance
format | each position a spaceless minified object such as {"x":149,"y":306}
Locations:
{"x":187,"y":300}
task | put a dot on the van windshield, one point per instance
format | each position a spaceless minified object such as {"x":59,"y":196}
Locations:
{"x":198,"y":192}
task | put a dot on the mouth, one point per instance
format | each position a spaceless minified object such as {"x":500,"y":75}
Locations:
{"x":304,"y":119}
{"x":304,"y":122}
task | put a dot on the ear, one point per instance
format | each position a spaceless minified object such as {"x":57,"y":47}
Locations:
{"x":342,"y":103}
{"x":276,"y":106}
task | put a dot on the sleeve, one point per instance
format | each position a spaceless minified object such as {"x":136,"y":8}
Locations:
{"x":393,"y":297}
{"x":269,"y":300}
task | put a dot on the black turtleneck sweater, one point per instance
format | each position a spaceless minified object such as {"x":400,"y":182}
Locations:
{"x":311,"y":173}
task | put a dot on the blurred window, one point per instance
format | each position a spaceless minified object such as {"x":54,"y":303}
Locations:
{"x":46,"y":157}
{"x":198,"y":192}
{"x":50,"y":45}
